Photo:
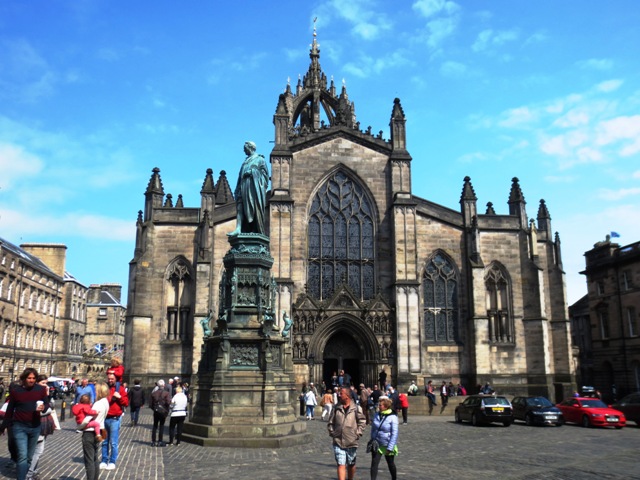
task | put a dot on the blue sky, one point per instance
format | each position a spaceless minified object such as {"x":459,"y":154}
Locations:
{"x":94,"y":94}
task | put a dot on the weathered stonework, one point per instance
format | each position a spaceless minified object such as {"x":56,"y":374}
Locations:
{"x":372,"y":276}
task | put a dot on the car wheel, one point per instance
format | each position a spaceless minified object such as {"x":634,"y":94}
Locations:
{"x":474,"y":420}
{"x":528,"y":419}
{"x":458,"y":419}
{"x":506,"y":424}
{"x":585,"y":422}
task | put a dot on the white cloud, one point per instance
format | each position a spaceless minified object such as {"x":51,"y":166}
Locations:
{"x":367,"y":66}
{"x":621,"y":129}
{"x":614,"y":195}
{"x":573,"y":118}
{"x":108,"y":54}
{"x":366,"y":23}
{"x":518,"y":117}
{"x":453,"y":69}
{"x":430,"y":8}
{"x":488,"y":39}
{"x":25,"y":74}
{"x":596,"y":64}
{"x":636,"y":174}
{"x":15,"y":224}
{"x":609,"y":85}
{"x":15,"y":163}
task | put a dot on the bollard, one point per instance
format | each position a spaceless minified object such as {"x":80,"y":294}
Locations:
{"x":63,"y":410}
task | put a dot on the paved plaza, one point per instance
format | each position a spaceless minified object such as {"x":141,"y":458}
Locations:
{"x":430,"y":448}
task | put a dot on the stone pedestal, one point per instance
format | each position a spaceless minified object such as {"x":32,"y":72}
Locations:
{"x":244,"y":391}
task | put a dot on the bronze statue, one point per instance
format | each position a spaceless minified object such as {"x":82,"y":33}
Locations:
{"x":205,"y":325}
{"x":287,"y":324}
{"x":251,"y":193}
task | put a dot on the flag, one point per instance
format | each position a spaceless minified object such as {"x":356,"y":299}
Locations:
{"x":98,"y":348}
{"x":615,"y":235}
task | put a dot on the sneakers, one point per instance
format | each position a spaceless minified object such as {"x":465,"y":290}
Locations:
{"x":103,"y":466}
{"x":111,"y":466}
{"x":153,"y":444}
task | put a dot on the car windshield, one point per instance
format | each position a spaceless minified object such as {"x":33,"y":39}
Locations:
{"x":595,"y":403}
{"x":539,"y":402}
{"x":490,"y":401}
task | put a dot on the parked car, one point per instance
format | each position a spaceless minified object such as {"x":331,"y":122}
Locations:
{"x":591,"y":412}
{"x":536,"y":411}
{"x":482,"y":409}
{"x":630,"y":406}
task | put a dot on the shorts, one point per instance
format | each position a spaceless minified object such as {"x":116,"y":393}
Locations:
{"x":345,"y":456}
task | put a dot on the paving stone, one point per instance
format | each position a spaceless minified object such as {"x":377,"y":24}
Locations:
{"x":430,"y":447}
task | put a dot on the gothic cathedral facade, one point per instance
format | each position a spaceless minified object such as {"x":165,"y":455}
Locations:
{"x":372,"y":276}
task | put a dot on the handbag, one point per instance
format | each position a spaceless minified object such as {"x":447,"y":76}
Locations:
{"x":161,"y":410}
{"x":373,"y":445}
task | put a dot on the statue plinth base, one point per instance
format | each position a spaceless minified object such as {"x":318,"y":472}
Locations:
{"x":244,"y":392}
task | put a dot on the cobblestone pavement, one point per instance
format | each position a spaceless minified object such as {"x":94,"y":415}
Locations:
{"x":430,"y":447}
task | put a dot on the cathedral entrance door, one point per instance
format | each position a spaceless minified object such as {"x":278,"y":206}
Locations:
{"x":341,"y":352}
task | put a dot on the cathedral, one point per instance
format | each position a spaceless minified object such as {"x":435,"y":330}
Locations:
{"x":372,"y":276}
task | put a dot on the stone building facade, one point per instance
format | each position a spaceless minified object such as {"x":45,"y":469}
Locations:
{"x":372,"y":276}
{"x":613,"y":286}
{"x":43,"y":313}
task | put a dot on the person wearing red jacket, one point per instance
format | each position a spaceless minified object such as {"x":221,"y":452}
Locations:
{"x":118,"y":400}
{"x":404,"y":405}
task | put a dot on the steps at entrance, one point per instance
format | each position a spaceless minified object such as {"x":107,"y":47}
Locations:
{"x":419,"y":405}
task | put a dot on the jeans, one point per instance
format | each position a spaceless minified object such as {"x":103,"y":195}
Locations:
{"x":112,"y":425}
{"x":310,"y":410}
{"x":33,"y":469}
{"x":26,"y":438}
{"x":135,"y":412}
{"x":90,"y":449}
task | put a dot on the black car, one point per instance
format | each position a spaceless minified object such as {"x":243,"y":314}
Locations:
{"x":482,"y":409}
{"x":536,"y":411}
{"x":630,"y":406}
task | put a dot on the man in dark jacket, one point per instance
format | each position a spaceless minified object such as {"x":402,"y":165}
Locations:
{"x":136,"y":400}
{"x":160,"y":403}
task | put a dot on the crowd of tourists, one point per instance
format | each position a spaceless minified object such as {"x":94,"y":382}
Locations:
{"x":28,"y":417}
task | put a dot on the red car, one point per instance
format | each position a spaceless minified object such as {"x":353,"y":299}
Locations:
{"x":591,"y":412}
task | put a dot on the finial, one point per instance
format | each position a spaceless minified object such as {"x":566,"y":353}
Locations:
{"x":288,"y":80}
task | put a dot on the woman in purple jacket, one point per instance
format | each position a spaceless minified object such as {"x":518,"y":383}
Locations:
{"x":385,"y":430}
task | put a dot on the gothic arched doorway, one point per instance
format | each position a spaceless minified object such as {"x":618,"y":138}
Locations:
{"x":341,"y":352}
{"x":344,"y":342}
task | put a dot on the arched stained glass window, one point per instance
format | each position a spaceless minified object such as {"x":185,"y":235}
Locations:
{"x":341,"y":239}
{"x":440,"y":289}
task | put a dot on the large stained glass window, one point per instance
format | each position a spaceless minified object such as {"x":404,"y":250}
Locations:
{"x":341,"y":239}
{"x":440,"y":289}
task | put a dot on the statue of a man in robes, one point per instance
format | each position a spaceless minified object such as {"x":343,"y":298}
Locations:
{"x":251,"y":193}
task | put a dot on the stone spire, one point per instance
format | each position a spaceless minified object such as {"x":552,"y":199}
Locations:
{"x":154,"y":194}
{"x":490,"y":210}
{"x":517,"y":204}
{"x":298,"y":114}
{"x":398,"y":126}
{"x":208,"y":192}
{"x":544,"y":219}
{"x":224,"y":196}
{"x":468,"y":201}
{"x":180,"y":203}
{"x":168,"y":203}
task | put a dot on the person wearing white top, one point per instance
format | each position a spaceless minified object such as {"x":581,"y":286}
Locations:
{"x":91,"y":447}
{"x":178,"y":415}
